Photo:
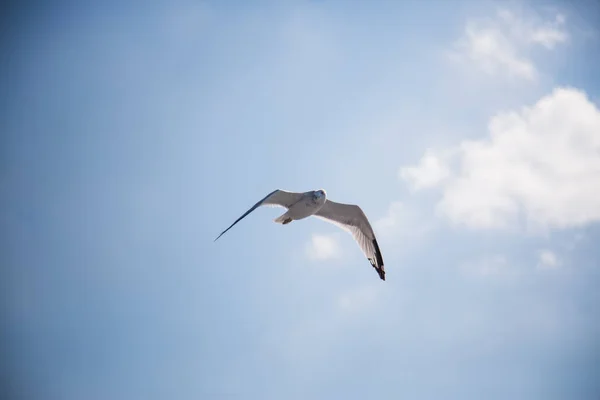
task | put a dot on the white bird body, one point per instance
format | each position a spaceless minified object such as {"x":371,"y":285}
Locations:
{"x":306,"y":206}
{"x":315,"y":203}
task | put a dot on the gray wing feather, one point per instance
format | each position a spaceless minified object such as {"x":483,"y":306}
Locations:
{"x":352,"y":219}
{"x":277,"y":198}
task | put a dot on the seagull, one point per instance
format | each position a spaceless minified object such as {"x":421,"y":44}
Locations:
{"x":349,"y":217}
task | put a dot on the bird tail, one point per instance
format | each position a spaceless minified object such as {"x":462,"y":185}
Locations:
{"x":283,"y":219}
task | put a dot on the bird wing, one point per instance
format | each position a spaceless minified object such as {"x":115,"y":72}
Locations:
{"x":277,"y":198}
{"x":352,"y":219}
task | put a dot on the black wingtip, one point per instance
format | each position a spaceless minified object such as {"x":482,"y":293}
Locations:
{"x":254,"y":207}
{"x":378,"y":268}
{"x":379,"y":264}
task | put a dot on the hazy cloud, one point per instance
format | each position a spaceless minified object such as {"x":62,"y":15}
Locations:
{"x":323,"y":247}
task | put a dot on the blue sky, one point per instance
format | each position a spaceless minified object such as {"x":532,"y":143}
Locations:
{"x":133,"y":134}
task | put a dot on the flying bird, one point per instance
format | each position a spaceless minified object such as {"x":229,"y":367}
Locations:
{"x":349,"y":217}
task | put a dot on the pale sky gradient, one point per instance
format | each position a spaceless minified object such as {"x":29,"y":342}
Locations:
{"x":133,"y":133}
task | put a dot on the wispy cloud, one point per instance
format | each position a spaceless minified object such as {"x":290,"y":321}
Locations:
{"x":323,"y":247}
{"x":502,"y":45}
{"x":542,"y":162}
{"x":548,"y":260}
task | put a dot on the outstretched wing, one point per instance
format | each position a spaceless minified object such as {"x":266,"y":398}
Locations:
{"x":278,"y":198}
{"x":352,"y":219}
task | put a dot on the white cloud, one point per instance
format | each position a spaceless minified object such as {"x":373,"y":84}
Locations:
{"x":548,"y":260}
{"x":431,"y":170}
{"x":503,"y":44}
{"x":323,"y":247}
{"x":541,"y":163}
{"x":548,"y":37}
{"x":494,"y":52}
{"x":534,"y":31}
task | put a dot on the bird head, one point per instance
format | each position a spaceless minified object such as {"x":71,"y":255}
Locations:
{"x":318,"y":194}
